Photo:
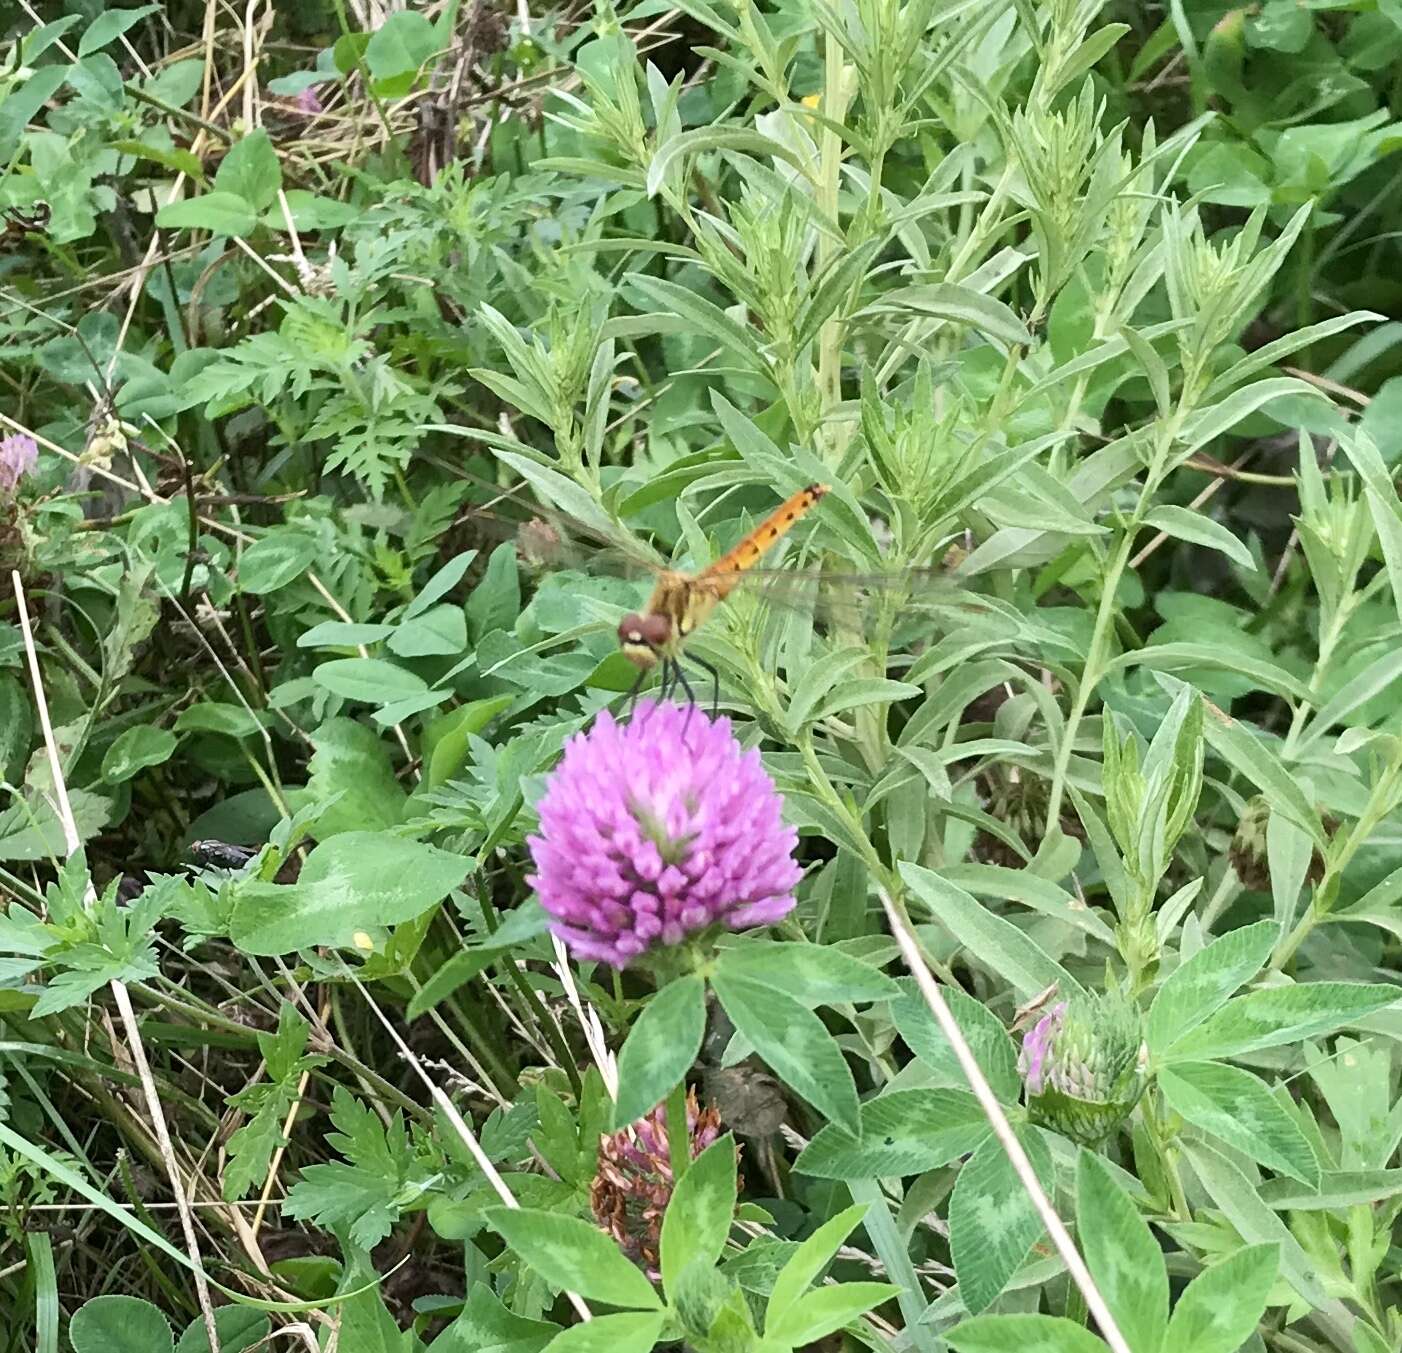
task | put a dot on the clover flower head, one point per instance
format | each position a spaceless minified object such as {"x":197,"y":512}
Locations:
{"x":308,"y":102}
{"x":19,"y":454}
{"x":1084,"y":1065}
{"x":658,"y":828}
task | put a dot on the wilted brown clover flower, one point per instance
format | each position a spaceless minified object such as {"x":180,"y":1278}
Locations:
{"x":1250,"y":851}
{"x":633,"y":1183}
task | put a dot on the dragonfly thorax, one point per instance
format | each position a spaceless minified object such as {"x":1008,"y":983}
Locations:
{"x":644,"y":637}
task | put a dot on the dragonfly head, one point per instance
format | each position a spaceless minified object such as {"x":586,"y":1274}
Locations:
{"x":643,"y":637}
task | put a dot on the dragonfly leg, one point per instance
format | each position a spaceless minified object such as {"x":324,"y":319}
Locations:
{"x":630,"y":701}
{"x":671,"y":677}
{"x":690,"y":698}
{"x":715,"y":683}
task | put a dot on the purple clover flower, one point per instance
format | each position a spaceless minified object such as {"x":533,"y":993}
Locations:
{"x":308,"y":102}
{"x":658,"y":828}
{"x":18,"y":455}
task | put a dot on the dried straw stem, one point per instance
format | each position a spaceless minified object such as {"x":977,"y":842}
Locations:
{"x":119,"y":990}
{"x":1002,"y":1129}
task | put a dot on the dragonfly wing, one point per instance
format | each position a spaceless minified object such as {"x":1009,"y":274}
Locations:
{"x":548,"y":537}
{"x":853,"y":601}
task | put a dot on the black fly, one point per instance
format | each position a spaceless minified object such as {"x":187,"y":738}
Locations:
{"x":220,"y":855}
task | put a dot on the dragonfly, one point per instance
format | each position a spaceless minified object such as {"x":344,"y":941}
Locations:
{"x":655,"y":638}
{"x":682,"y":602}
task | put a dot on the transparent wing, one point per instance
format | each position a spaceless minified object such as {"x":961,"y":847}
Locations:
{"x":553,"y":540}
{"x":549,"y":539}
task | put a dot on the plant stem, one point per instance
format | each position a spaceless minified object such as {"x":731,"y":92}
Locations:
{"x":1381,"y":802}
{"x":1091,"y":674}
{"x":678,"y":1138}
{"x":829,"y":184}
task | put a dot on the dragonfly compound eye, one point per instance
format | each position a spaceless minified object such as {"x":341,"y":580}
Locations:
{"x":656,"y":629}
{"x":642,"y":635}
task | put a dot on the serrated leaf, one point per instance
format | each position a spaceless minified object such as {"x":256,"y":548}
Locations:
{"x":119,"y":1324}
{"x":365,"y":1191}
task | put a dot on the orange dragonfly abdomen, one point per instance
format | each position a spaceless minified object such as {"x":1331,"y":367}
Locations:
{"x":722,"y":576}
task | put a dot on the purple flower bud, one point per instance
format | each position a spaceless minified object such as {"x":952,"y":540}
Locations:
{"x":307,"y":102}
{"x":1084,"y":1065}
{"x":658,"y":828}
{"x":1036,"y":1048}
{"x":18,"y":455}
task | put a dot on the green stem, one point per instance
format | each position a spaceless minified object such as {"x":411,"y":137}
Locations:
{"x":678,"y":1138}
{"x":1091,"y":674}
{"x":1149,"y":1116}
{"x":1328,"y":641}
{"x":1381,"y":802}
{"x":829,"y":184}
